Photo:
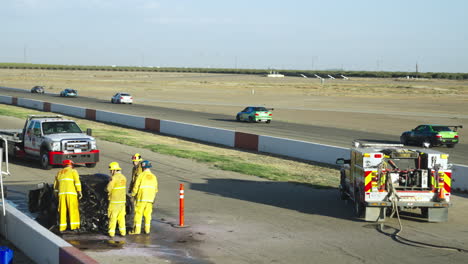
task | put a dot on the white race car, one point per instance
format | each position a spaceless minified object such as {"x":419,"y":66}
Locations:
{"x":122,"y":98}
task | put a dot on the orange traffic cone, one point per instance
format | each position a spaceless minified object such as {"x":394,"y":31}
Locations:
{"x":441,"y":188}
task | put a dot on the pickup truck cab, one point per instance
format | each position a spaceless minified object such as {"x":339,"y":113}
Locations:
{"x":52,"y":139}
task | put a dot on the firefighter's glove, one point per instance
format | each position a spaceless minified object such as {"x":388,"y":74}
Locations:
{"x":80,"y":195}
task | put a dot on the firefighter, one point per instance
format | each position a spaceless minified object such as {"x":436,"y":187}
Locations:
{"x":136,"y":159}
{"x":144,"y":191}
{"x":67,"y":187}
{"x":117,"y":198}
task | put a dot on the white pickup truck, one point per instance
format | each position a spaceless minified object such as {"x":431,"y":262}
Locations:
{"x":52,"y":139}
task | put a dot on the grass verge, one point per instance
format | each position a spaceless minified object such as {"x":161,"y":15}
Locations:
{"x":228,"y":159}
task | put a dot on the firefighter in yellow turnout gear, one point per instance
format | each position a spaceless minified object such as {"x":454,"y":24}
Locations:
{"x":145,"y":189}
{"x":136,"y":170}
{"x":67,"y":186}
{"x":117,"y":198}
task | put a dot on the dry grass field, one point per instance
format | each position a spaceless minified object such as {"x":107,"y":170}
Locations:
{"x":373,"y":105}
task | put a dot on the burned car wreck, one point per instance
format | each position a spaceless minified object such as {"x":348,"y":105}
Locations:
{"x":93,"y":206}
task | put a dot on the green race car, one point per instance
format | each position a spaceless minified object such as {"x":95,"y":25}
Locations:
{"x":431,"y":135}
{"x":255,"y":114}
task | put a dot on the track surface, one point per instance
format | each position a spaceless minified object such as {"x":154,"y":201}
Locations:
{"x":235,"y":218}
{"x":305,"y":132}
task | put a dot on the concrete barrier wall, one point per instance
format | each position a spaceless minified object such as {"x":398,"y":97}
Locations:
{"x":68,"y":110}
{"x":121,"y":119}
{"x":29,"y":103}
{"x":6,"y":99}
{"x":302,"y":149}
{"x":38,"y":243}
{"x":207,"y":134}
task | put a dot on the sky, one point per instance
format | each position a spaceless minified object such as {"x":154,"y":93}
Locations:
{"x":353,"y":35}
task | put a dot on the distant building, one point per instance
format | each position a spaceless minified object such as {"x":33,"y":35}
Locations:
{"x":275,"y":75}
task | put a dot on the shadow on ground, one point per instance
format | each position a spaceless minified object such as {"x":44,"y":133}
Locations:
{"x":301,"y":198}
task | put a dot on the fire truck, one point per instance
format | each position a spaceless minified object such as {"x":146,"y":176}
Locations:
{"x":380,"y":177}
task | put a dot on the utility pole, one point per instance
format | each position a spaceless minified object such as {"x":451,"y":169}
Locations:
{"x":314,"y":58}
{"x":24,"y":53}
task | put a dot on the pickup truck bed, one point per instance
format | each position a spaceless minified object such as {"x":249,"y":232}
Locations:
{"x":11,"y":134}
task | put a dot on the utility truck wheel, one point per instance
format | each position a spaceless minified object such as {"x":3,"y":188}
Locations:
{"x":91,"y":165}
{"x":45,"y":160}
{"x":424,"y":212}
{"x":359,"y":208}
{"x":343,"y":195}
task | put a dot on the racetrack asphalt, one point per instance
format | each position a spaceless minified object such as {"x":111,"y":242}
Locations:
{"x":305,"y":132}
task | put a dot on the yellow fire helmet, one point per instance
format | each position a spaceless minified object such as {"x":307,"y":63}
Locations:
{"x":137,"y":157}
{"x":114,"y":166}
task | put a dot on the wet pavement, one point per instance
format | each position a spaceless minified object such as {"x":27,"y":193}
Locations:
{"x":165,"y":243}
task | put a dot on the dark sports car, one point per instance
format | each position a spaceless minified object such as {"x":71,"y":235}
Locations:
{"x":37,"y":89}
{"x":431,"y":135}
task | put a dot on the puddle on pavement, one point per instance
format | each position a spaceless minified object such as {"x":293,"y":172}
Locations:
{"x":97,"y":244}
{"x":142,"y":245}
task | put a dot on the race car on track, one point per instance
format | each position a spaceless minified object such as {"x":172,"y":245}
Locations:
{"x":255,"y":114}
{"x":431,"y":135}
{"x":69,"y":93}
{"x":37,"y":89}
{"x":122,"y":98}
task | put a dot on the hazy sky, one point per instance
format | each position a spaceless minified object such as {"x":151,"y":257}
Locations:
{"x":349,"y":34}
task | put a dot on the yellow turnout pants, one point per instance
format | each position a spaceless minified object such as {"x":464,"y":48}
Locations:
{"x":142,"y":209}
{"x":116,"y":213}
{"x":68,"y":206}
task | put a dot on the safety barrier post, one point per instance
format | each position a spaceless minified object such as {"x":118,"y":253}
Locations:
{"x":181,"y":205}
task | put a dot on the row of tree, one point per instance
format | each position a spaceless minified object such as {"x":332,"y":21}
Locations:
{"x":298,"y":73}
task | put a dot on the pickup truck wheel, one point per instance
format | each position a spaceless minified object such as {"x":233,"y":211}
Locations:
{"x":90,"y":165}
{"x":45,"y":160}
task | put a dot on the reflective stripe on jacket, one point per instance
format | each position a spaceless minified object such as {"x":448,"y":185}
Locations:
{"x":135,"y":172}
{"x":117,"y":188}
{"x":67,"y":181}
{"x":146,"y":187}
